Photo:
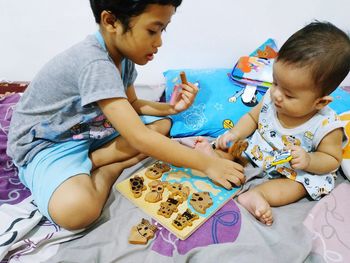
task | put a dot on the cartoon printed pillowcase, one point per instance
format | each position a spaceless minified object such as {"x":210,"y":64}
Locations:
{"x":212,"y":113}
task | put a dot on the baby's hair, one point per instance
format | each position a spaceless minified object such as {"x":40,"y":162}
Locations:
{"x":123,"y":10}
{"x":324,"y":49}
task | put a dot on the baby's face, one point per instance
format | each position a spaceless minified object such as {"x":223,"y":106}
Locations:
{"x":293,"y":94}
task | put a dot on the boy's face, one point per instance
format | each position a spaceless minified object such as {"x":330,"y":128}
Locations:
{"x":294,"y":94}
{"x":141,"y":42}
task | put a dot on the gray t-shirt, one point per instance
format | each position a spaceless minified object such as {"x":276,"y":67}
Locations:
{"x":60,"y":104}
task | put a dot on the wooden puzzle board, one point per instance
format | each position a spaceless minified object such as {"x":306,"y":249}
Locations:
{"x":195,"y":180}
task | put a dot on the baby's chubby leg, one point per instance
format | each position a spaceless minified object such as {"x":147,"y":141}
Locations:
{"x":254,"y":201}
{"x":276,"y":192}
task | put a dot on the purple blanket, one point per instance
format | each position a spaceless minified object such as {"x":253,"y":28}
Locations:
{"x":11,"y":189}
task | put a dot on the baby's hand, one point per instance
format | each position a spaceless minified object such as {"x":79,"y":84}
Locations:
{"x":300,"y":158}
{"x":224,"y":141}
{"x":186,"y":97}
{"x":226,"y":173}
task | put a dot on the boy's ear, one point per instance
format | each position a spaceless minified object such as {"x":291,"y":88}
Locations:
{"x":323,"y":102}
{"x":108,"y":20}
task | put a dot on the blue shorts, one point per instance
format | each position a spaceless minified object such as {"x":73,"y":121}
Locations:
{"x":53,"y":165}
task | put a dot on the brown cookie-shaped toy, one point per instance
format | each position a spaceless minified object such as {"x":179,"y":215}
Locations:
{"x":236,"y":150}
{"x":156,"y":193}
{"x":201,"y":201}
{"x":177,"y":189}
{"x":137,"y":186}
{"x":184,"y":219}
{"x":168,"y":207}
{"x":141,"y":233}
{"x":156,"y":170}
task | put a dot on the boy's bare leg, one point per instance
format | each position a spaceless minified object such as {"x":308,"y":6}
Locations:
{"x":119,"y":149}
{"x":276,"y":192}
{"x":78,"y":201}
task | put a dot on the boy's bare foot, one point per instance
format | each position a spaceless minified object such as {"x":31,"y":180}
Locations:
{"x":256,"y":204}
{"x":204,"y":146}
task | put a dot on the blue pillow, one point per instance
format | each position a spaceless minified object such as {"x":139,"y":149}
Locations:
{"x":341,"y":100}
{"x":212,"y":113}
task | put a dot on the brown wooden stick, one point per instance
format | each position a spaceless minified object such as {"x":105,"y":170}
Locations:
{"x":183,"y":77}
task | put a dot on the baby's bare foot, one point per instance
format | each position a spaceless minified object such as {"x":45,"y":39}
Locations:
{"x":204,"y":146}
{"x":256,"y":204}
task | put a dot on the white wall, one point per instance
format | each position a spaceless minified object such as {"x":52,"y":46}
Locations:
{"x":203,"y":33}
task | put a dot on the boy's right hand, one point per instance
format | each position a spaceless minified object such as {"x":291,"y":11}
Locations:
{"x":226,"y":173}
{"x":184,"y":96}
{"x":225,"y":140}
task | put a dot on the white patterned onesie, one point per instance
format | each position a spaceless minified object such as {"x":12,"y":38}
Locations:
{"x":270,"y":136}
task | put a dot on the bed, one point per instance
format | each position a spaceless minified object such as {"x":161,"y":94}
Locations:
{"x":303,"y":232}
{"x":306,"y":231}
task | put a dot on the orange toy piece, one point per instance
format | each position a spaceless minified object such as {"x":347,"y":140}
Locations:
{"x":268,"y":52}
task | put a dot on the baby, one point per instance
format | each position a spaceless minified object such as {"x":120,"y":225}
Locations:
{"x":293,"y":120}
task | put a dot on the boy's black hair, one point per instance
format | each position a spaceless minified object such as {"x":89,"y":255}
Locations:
{"x":123,"y":10}
{"x":324,"y":49}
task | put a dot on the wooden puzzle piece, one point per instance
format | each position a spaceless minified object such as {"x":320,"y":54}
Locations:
{"x":156,"y":193}
{"x":177,"y":189}
{"x":137,"y":186}
{"x":184,"y":219}
{"x":201,"y":201}
{"x":156,"y":170}
{"x":168,"y":207}
{"x":141,"y":233}
{"x":236,"y":150}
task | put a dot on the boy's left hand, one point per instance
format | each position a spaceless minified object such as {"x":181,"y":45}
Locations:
{"x":186,"y":98}
{"x":300,"y":158}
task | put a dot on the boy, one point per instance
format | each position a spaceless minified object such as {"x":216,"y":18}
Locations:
{"x":63,"y":132}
